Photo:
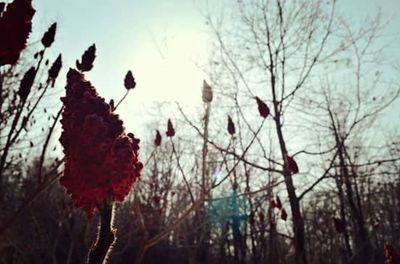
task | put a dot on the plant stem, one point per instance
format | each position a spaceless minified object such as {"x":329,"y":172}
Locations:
{"x":106,"y":236}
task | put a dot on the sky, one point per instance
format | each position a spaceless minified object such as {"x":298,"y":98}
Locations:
{"x":164,"y":42}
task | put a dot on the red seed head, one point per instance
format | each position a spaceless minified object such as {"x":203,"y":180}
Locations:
{"x":207,"y":95}
{"x":157,"y":200}
{"x":112,"y":105}
{"x":278,"y":203}
{"x":339,"y":225}
{"x":157,"y":140}
{"x":48,"y":37}
{"x":283,"y":214}
{"x":261,"y":216}
{"x":391,"y":256}
{"x":251,"y":218}
{"x":231,"y":126}
{"x":26,"y":83}
{"x":54,"y":71}
{"x":15,"y":26}
{"x":262,"y":107}
{"x":129,"y":81}
{"x":272,"y":203}
{"x":291,"y":164}
{"x":170,"y":129}
{"x":100,"y":159}
{"x":87,"y":60}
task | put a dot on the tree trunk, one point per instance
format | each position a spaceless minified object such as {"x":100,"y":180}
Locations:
{"x":298,"y":222}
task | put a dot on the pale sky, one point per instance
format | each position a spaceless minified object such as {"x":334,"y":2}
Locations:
{"x":159,"y":40}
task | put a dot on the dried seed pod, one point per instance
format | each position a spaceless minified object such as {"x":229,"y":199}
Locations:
{"x":231,"y":126}
{"x":170,"y":129}
{"x":157,"y":140}
{"x":207,"y":92}
{"x":129,"y":81}
{"x":48,"y":36}
{"x":262,"y":107}
{"x":87,"y":60}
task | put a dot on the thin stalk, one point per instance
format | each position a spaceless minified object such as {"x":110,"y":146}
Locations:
{"x":101,"y":250}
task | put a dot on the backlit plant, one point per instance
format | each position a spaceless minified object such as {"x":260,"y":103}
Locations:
{"x":101,"y":160}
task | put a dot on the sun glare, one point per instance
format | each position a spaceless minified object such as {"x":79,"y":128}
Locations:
{"x":171,"y":72}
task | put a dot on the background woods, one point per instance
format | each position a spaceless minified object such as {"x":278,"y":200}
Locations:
{"x":292,"y":156}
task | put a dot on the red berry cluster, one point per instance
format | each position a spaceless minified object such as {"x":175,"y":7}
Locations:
{"x":101,"y":161}
{"x":15,"y":26}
